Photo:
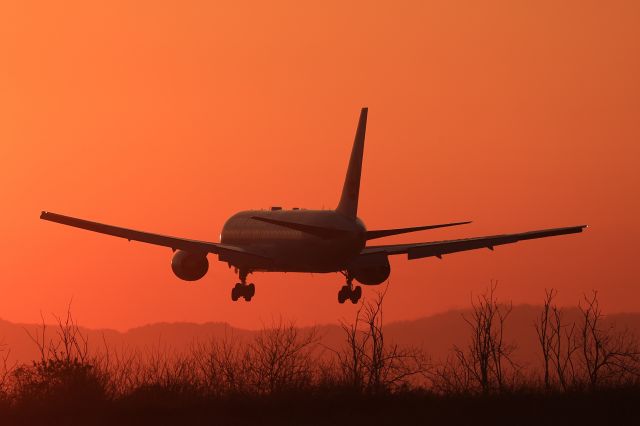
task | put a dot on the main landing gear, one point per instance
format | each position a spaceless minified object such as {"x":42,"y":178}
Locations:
{"x":242,"y":289}
{"x":349,"y":292}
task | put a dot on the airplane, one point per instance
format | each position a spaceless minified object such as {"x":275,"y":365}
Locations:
{"x":311,"y":241}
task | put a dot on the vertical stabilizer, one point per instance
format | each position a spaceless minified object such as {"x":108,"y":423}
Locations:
{"x":348,"y":205}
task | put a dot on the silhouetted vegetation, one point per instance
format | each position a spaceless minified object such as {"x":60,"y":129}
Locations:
{"x":367,"y":363}
{"x":584,"y":354}
{"x":486,"y":364}
{"x":284,"y":375}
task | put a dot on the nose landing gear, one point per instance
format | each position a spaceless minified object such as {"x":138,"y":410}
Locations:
{"x":242,"y":289}
{"x":349,"y":292}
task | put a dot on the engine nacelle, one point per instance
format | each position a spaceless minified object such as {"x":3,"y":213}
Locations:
{"x":189,"y":266}
{"x":370,"y":270}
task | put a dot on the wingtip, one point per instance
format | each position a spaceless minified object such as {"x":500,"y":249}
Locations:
{"x":466,"y":222}
{"x":579,"y":228}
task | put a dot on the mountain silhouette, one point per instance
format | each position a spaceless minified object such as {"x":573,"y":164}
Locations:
{"x":435,"y":334}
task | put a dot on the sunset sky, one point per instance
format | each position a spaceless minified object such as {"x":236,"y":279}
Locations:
{"x":169,"y":116}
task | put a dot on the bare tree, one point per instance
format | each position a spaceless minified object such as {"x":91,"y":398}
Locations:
{"x":545,"y":333}
{"x":352,"y":359}
{"x":369,"y":363}
{"x":71,"y":345}
{"x":451,"y":377}
{"x":126,"y":370}
{"x":608,"y":356}
{"x":65,"y":366}
{"x":486,"y":363}
{"x":222,"y":365}
{"x":280,"y":358}
{"x":563,"y":348}
{"x":5,"y":369}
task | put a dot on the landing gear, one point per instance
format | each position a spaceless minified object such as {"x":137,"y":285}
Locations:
{"x":247,"y":291}
{"x":242,"y":289}
{"x":349,"y":292}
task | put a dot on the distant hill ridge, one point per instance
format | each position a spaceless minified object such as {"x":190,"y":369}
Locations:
{"x":435,"y":334}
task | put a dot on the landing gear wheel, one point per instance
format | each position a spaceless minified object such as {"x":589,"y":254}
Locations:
{"x":236,"y":292}
{"x":343,"y":294}
{"x":242,"y":289}
{"x":248,"y":292}
{"x":356,"y":294}
{"x":350,"y":293}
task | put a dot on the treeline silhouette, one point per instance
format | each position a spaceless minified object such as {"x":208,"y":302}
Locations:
{"x":588,"y":374}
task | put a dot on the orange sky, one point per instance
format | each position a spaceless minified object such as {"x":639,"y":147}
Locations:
{"x":170,"y":116}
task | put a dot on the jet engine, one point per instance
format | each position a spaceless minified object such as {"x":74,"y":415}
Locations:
{"x":189,"y":266}
{"x":370,"y":270}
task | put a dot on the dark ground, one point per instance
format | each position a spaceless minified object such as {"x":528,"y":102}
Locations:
{"x":620,"y":406}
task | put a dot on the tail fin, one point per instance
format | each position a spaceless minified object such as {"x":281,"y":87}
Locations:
{"x":348,"y":205}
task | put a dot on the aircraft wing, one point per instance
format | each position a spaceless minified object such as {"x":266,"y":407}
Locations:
{"x":174,"y":243}
{"x":440,"y":248}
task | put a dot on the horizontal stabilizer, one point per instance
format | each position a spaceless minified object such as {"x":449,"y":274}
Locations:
{"x":387,"y":232}
{"x":318,"y":231}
